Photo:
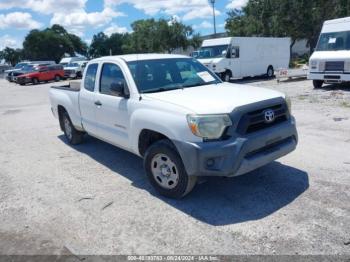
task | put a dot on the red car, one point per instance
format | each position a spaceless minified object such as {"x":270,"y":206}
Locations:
{"x":42,"y":74}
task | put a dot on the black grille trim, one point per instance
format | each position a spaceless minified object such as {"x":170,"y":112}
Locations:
{"x":334,"y":66}
{"x":254,"y":121}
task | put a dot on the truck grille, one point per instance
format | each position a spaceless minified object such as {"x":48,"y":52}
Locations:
{"x":255,"y":121}
{"x":335,"y":66}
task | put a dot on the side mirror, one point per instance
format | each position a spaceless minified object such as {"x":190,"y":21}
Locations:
{"x":119,"y":89}
{"x":233,"y":53}
{"x":224,"y":53}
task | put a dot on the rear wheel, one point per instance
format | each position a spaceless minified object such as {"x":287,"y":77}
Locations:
{"x":73,"y":136}
{"x":166,"y":172}
{"x":317,"y":83}
{"x":57,"y":78}
{"x":35,"y":81}
{"x":270,"y":72}
{"x":226,"y":76}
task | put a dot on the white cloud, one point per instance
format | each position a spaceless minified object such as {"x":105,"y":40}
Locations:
{"x":190,"y":9}
{"x":45,"y":6}
{"x":203,"y":25}
{"x":237,"y":4}
{"x":77,"y":22}
{"x":113,"y":28}
{"x":18,"y":20}
{"x":8,"y":41}
{"x":205,"y":12}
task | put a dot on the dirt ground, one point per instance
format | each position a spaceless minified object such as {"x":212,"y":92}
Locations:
{"x":95,"y":199}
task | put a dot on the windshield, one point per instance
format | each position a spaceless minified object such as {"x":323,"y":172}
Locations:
{"x":169,"y":74}
{"x":30,"y":68}
{"x":72,"y":65}
{"x":334,"y":41}
{"x":211,"y":51}
{"x":20,"y":65}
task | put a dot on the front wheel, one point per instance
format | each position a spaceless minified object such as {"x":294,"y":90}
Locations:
{"x":166,"y":172}
{"x":57,"y":78}
{"x":73,"y":136}
{"x":35,"y":81}
{"x":317,"y":83}
{"x":270,"y":72}
{"x":226,"y":76}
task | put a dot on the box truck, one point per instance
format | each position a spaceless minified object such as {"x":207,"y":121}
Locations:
{"x":239,"y":57}
{"x":330,"y":62}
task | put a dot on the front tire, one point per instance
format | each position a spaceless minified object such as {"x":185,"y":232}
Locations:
{"x":35,"y":81}
{"x":317,"y":83}
{"x":226,"y":76}
{"x":166,"y":172}
{"x":270,"y":72}
{"x":73,"y":136}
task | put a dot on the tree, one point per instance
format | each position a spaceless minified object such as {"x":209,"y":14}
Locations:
{"x":11,"y":56}
{"x":102,"y":45}
{"x":52,"y":44}
{"x":159,"y":36}
{"x":196,"y":41}
{"x":298,"y":19}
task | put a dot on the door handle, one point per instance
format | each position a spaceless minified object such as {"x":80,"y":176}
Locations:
{"x":98,"y":103}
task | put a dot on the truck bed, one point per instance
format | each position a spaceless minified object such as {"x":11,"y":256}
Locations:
{"x":73,"y":86}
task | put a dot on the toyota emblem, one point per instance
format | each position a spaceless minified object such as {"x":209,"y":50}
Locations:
{"x":269,"y":115}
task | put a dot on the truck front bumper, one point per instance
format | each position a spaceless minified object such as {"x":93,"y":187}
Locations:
{"x":239,"y":155}
{"x":329,"y":77}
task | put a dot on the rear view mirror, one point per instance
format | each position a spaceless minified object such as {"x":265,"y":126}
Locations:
{"x":119,"y":89}
{"x":224,"y":53}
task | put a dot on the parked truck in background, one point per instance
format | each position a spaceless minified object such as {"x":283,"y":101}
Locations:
{"x":74,"y":69}
{"x":178,"y":116}
{"x":330,"y":62}
{"x":239,"y":57}
{"x":66,"y":60}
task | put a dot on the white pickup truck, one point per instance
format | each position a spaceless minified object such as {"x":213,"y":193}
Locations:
{"x":179,"y":116}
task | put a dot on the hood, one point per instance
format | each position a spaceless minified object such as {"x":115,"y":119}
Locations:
{"x":215,"y":99}
{"x":210,"y":60}
{"x":12,"y":70}
{"x":331,"y":55}
{"x":71,"y":68}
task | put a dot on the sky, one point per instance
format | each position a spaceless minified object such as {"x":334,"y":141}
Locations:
{"x":88,"y":17}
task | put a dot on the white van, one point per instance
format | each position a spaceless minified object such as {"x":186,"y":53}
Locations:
{"x":238,"y":57}
{"x":66,"y":60}
{"x":330,"y":63}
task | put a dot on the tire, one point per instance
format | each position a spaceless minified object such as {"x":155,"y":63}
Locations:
{"x":270,"y":72}
{"x":162,"y":157}
{"x":317,"y":83}
{"x":226,"y":76}
{"x":73,"y":136}
{"x":57,"y":78}
{"x":35,"y":81}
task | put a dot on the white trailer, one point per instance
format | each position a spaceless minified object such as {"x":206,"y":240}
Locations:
{"x":330,"y":63}
{"x":238,"y":57}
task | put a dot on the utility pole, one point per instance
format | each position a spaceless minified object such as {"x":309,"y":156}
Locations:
{"x":213,"y":3}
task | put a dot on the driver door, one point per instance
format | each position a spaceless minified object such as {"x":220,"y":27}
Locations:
{"x":112,"y":113}
{"x":235,"y":62}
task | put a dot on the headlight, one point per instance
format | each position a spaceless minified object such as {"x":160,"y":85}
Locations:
{"x":322,"y":66}
{"x":347,"y":66}
{"x":289,"y":104}
{"x":313,"y":63}
{"x":208,"y":126}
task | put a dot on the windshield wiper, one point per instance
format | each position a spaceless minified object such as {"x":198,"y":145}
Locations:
{"x":199,"y":84}
{"x":162,"y":89}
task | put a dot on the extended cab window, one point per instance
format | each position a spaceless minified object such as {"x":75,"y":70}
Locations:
{"x":111,"y":74}
{"x":90,"y":77}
